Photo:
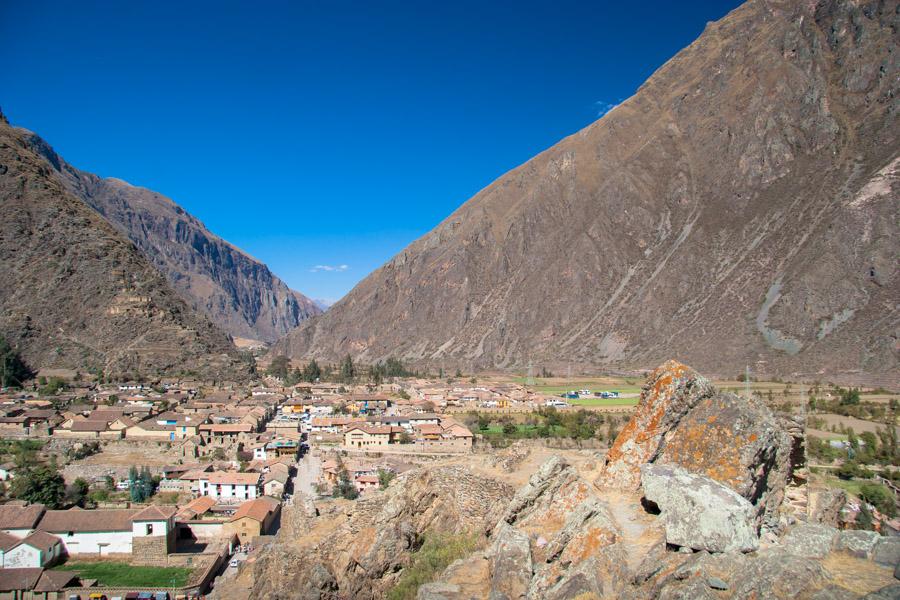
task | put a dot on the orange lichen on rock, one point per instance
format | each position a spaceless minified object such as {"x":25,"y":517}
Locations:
{"x":669,"y":393}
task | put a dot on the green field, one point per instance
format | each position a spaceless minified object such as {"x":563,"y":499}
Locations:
{"x":521,"y":429}
{"x":118,"y":574}
{"x":603,"y":401}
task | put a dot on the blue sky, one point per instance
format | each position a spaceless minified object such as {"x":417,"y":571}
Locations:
{"x":325,"y":134}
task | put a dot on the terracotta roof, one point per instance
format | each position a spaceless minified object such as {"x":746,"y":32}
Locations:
{"x":18,"y":517}
{"x":377,"y":430}
{"x":87,"y":520}
{"x":367,"y":478}
{"x":257,"y":509}
{"x":40,"y":540}
{"x":429,"y":428}
{"x":155,"y":513}
{"x":229,"y":477}
{"x":8,"y":541}
{"x":19,"y":579}
{"x":55,"y":581}
{"x":90,"y":425}
{"x":276,"y":476}
{"x":228,"y":428}
{"x":198,"y":506}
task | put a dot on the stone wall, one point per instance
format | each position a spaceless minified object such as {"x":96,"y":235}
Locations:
{"x":152,"y":550}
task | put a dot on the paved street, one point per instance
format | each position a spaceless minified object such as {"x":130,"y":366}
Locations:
{"x":308,"y":469}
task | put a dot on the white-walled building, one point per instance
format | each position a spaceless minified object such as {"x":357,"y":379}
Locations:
{"x":94,"y":532}
{"x":227,"y":486}
{"x":37,"y":550}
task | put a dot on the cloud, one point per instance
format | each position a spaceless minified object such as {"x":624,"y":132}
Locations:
{"x":329,"y":268}
{"x":604,"y":107}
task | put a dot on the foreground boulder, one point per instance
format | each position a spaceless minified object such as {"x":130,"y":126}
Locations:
{"x":682,"y":420}
{"x":698,"y":512}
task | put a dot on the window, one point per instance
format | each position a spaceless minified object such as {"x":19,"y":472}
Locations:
{"x":149,"y":528}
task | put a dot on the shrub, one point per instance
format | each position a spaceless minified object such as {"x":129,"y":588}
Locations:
{"x":880,"y":497}
{"x":435,"y":554}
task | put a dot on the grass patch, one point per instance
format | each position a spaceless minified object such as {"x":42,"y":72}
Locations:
{"x":524,"y":431}
{"x":118,"y":574}
{"x":603,"y":401}
{"x":435,"y":555}
{"x":851,"y":486}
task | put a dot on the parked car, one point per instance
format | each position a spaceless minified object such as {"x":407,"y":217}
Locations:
{"x":123,"y":485}
{"x":97,"y":596}
{"x":132,"y":596}
{"x":161,"y":596}
{"x":234,"y":563}
{"x":73,"y":597}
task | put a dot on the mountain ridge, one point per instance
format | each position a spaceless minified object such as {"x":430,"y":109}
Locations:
{"x":715,"y":216}
{"x":237,"y":291}
{"x":79,"y":295}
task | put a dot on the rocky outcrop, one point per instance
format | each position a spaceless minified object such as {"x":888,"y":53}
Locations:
{"x":738,"y":209}
{"x":359,"y":549}
{"x":668,"y":394}
{"x":237,"y":292}
{"x":682,"y":420}
{"x":700,"y":513}
{"x":76,"y":294}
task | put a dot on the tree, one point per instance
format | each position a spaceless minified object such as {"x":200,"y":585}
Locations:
{"x":347,"y":370}
{"x":40,"y":484}
{"x":147,"y":484}
{"x":77,"y":493}
{"x":405,"y":438}
{"x":849,"y":397}
{"x":880,"y":497}
{"x":344,"y":488}
{"x":311,"y":372}
{"x":279,"y":367}
{"x":509,"y":428}
{"x":385,"y":477}
{"x":483,"y":422}
{"x":135,"y":488}
{"x":13,"y":370}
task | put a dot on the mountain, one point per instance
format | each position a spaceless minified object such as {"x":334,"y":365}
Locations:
{"x":77,"y":294}
{"x":740,"y":209}
{"x":239,"y":293}
{"x":323,"y":303}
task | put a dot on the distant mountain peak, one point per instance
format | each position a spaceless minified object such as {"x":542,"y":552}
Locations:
{"x":236,"y":291}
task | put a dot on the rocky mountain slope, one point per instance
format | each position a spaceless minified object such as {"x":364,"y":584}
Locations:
{"x":77,"y":294}
{"x":741,"y":208}
{"x":237,"y":292}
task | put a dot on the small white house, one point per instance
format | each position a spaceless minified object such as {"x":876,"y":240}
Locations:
{"x":230,"y":486}
{"x":38,"y":550}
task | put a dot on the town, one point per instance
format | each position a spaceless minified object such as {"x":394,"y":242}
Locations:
{"x":168,"y":488}
{"x":162,"y":488}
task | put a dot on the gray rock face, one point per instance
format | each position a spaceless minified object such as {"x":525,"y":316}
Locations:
{"x":887,"y":551}
{"x":511,"y":568}
{"x":810,"y":540}
{"x":699,"y":512}
{"x":857,"y":543}
{"x":889,"y":592}
{"x":764,"y":574}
